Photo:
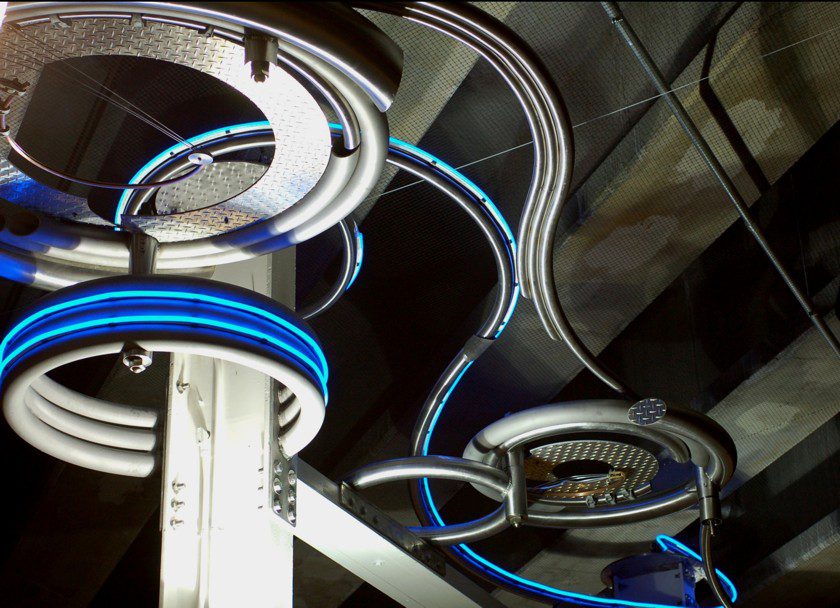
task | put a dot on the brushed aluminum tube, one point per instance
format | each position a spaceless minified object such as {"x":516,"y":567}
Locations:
{"x":434,"y":467}
{"x":347,"y":228}
{"x":89,"y":430}
{"x":347,"y":180}
{"x":93,"y":408}
{"x":426,"y":417}
{"x":516,"y":500}
{"x":706,"y":531}
{"x":552,"y":135}
{"x":76,"y":451}
{"x":142,"y":254}
{"x":699,"y":142}
{"x":469,"y":532}
{"x":225,"y":146}
{"x":344,"y":114}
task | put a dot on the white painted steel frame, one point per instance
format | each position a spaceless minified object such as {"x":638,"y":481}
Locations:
{"x":222,"y":543}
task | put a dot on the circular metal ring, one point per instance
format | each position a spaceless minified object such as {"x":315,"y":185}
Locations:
{"x":685,"y":433}
{"x":348,"y":177}
{"x":164,"y":314}
{"x":442,"y":467}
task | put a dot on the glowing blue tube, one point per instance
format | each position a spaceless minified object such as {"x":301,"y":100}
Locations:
{"x":179,"y":148}
{"x":360,"y":256}
{"x":667,"y":543}
{"x":314,"y":361}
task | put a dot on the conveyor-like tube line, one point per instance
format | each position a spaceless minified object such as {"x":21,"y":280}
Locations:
{"x":159,"y":314}
{"x":551,"y":132}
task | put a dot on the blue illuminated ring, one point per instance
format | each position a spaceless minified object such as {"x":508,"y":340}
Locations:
{"x":668,"y":543}
{"x":165,"y":314}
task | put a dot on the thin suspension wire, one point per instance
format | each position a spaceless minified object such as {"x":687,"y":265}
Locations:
{"x":644,"y":101}
{"x":114,"y":98}
{"x":58,"y":54}
{"x":38,"y":63}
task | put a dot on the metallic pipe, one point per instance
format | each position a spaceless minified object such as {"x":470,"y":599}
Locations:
{"x":435,"y":467}
{"x":516,"y":501}
{"x":498,"y":243}
{"x":709,"y":497}
{"x":469,"y":532}
{"x":347,"y":179}
{"x":87,"y":429}
{"x":706,"y":532}
{"x":142,"y":254}
{"x":347,"y":228}
{"x":93,"y":408}
{"x":711,"y":160}
{"x":334,"y":33}
{"x":552,"y":134}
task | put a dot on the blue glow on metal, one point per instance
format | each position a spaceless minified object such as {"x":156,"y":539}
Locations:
{"x":201,"y":138}
{"x":166,"y":319}
{"x":320,"y":369}
{"x":360,"y":256}
{"x":668,"y":543}
{"x":441,"y":406}
{"x":509,"y":313}
{"x":476,"y":192}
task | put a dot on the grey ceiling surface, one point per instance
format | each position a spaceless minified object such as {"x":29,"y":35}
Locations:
{"x":644,"y":234}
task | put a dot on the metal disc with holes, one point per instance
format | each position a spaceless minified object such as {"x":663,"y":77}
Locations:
{"x":219,"y":202}
{"x":628,"y":468}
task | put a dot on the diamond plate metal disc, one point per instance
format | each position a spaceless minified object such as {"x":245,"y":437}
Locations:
{"x":638,"y":465}
{"x":217,"y":182}
{"x":302,"y":139}
{"x":647,"y":411}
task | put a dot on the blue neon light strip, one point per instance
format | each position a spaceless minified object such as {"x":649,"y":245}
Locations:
{"x":360,"y":256}
{"x":668,"y":543}
{"x":178,"y":148}
{"x":320,"y":369}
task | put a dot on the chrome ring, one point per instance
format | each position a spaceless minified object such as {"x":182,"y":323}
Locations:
{"x":162,"y":314}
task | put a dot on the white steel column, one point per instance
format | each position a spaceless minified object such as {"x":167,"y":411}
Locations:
{"x":223,"y":546}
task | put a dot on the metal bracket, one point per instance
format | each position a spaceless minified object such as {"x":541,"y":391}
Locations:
{"x":283,"y":487}
{"x":282,"y":490}
{"x":392,"y":530}
{"x":14,"y":87}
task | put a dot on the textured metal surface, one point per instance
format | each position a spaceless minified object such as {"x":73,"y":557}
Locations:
{"x":215,"y":184}
{"x":302,"y":144}
{"x":646,"y":411}
{"x":637,"y":464}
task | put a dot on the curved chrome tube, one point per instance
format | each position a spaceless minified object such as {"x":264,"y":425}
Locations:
{"x":436,"y":467}
{"x":349,"y":261}
{"x":334,"y":33}
{"x":551,"y":132}
{"x":443,"y":467}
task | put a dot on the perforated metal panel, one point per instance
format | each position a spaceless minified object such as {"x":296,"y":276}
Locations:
{"x":636,"y":465}
{"x":301,"y":131}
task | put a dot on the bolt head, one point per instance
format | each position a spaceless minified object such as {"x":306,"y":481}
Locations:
{"x":277,"y":485}
{"x":136,"y":359}
{"x":277,"y":505}
{"x":291,"y":478}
